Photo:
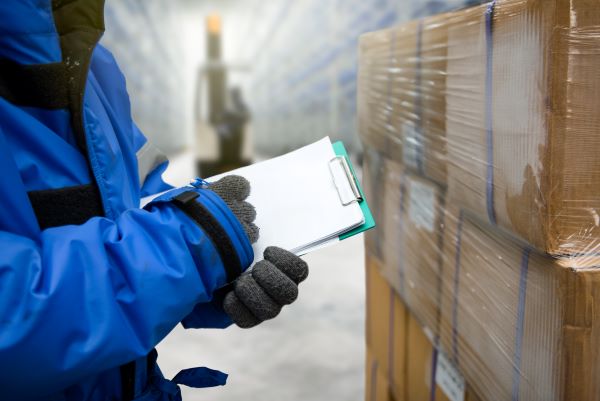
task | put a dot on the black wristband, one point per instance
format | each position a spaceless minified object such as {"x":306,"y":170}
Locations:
{"x":187,"y":203}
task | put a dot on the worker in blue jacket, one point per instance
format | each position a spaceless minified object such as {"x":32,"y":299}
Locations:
{"x":89,"y":282}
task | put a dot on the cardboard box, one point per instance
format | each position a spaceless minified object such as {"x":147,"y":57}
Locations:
{"x":401,"y":94}
{"x":523,"y":90}
{"x":401,"y":359}
{"x":412,"y":225}
{"x":504,"y":97}
{"x":386,"y":326}
{"x":518,"y":324}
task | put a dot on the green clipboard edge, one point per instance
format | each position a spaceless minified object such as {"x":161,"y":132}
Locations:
{"x":340,"y":150}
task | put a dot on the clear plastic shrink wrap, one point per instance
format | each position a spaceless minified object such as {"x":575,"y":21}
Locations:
{"x":401,"y":105}
{"x":482,"y":134}
{"x":503,"y":97}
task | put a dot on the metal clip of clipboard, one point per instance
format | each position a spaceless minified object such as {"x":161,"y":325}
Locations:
{"x":344,"y":181}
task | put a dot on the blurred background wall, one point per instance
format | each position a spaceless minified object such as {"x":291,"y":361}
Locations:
{"x":295,"y":61}
{"x":148,"y":43}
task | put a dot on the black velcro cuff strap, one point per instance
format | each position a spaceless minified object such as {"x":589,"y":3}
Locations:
{"x":187,"y":203}
{"x":38,"y":85}
{"x":65,"y":206}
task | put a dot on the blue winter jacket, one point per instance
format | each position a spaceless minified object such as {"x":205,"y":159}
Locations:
{"x":83,"y":305}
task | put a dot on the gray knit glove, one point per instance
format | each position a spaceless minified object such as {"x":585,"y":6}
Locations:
{"x":234,"y":190}
{"x":259,"y":294}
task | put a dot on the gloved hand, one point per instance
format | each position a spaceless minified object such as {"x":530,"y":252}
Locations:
{"x":261,"y":293}
{"x":234,"y":190}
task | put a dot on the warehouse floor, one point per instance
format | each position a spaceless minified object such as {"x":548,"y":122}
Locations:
{"x":313,"y":351}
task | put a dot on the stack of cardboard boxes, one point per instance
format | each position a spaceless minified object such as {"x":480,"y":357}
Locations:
{"x":402,"y":361}
{"x":481,"y":161}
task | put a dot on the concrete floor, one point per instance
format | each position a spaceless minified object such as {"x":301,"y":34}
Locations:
{"x":314,"y":350}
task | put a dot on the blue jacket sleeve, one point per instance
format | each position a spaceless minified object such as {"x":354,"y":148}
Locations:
{"x":87,"y":298}
{"x":207,"y":315}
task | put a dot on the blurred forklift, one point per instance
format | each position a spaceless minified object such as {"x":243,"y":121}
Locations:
{"x":222,"y":116}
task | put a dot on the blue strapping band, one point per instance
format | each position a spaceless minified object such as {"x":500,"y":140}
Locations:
{"x":374,"y":367}
{"x":376,"y":182}
{"x":489,"y":29}
{"x":434,"y":362}
{"x":520,"y":324}
{"x":456,"y":288}
{"x":391,"y":81}
{"x":401,"y":267}
{"x":440,"y":280}
{"x":420,"y":151}
{"x":436,"y":338}
{"x":391,"y":340}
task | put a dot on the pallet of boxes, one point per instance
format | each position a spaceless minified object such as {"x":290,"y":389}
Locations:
{"x":481,"y":131}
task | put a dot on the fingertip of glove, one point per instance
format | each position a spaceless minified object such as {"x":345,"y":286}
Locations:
{"x":275,"y":282}
{"x":255,"y":298}
{"x":235,"y":186}
{"x":238,"y":312}
{"x":252,"y":231}
{"x":247,"y":211}
{"x":293,"y":266}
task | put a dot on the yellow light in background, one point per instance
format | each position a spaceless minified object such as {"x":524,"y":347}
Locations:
{"x":213,"y":23}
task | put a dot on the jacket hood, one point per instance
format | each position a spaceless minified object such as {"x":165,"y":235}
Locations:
{"x":28,"y":34}
{"x":28,"y":28}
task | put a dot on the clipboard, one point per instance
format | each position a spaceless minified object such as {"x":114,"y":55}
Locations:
{"x":298,"y":196}
{"x":349,"y":188}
